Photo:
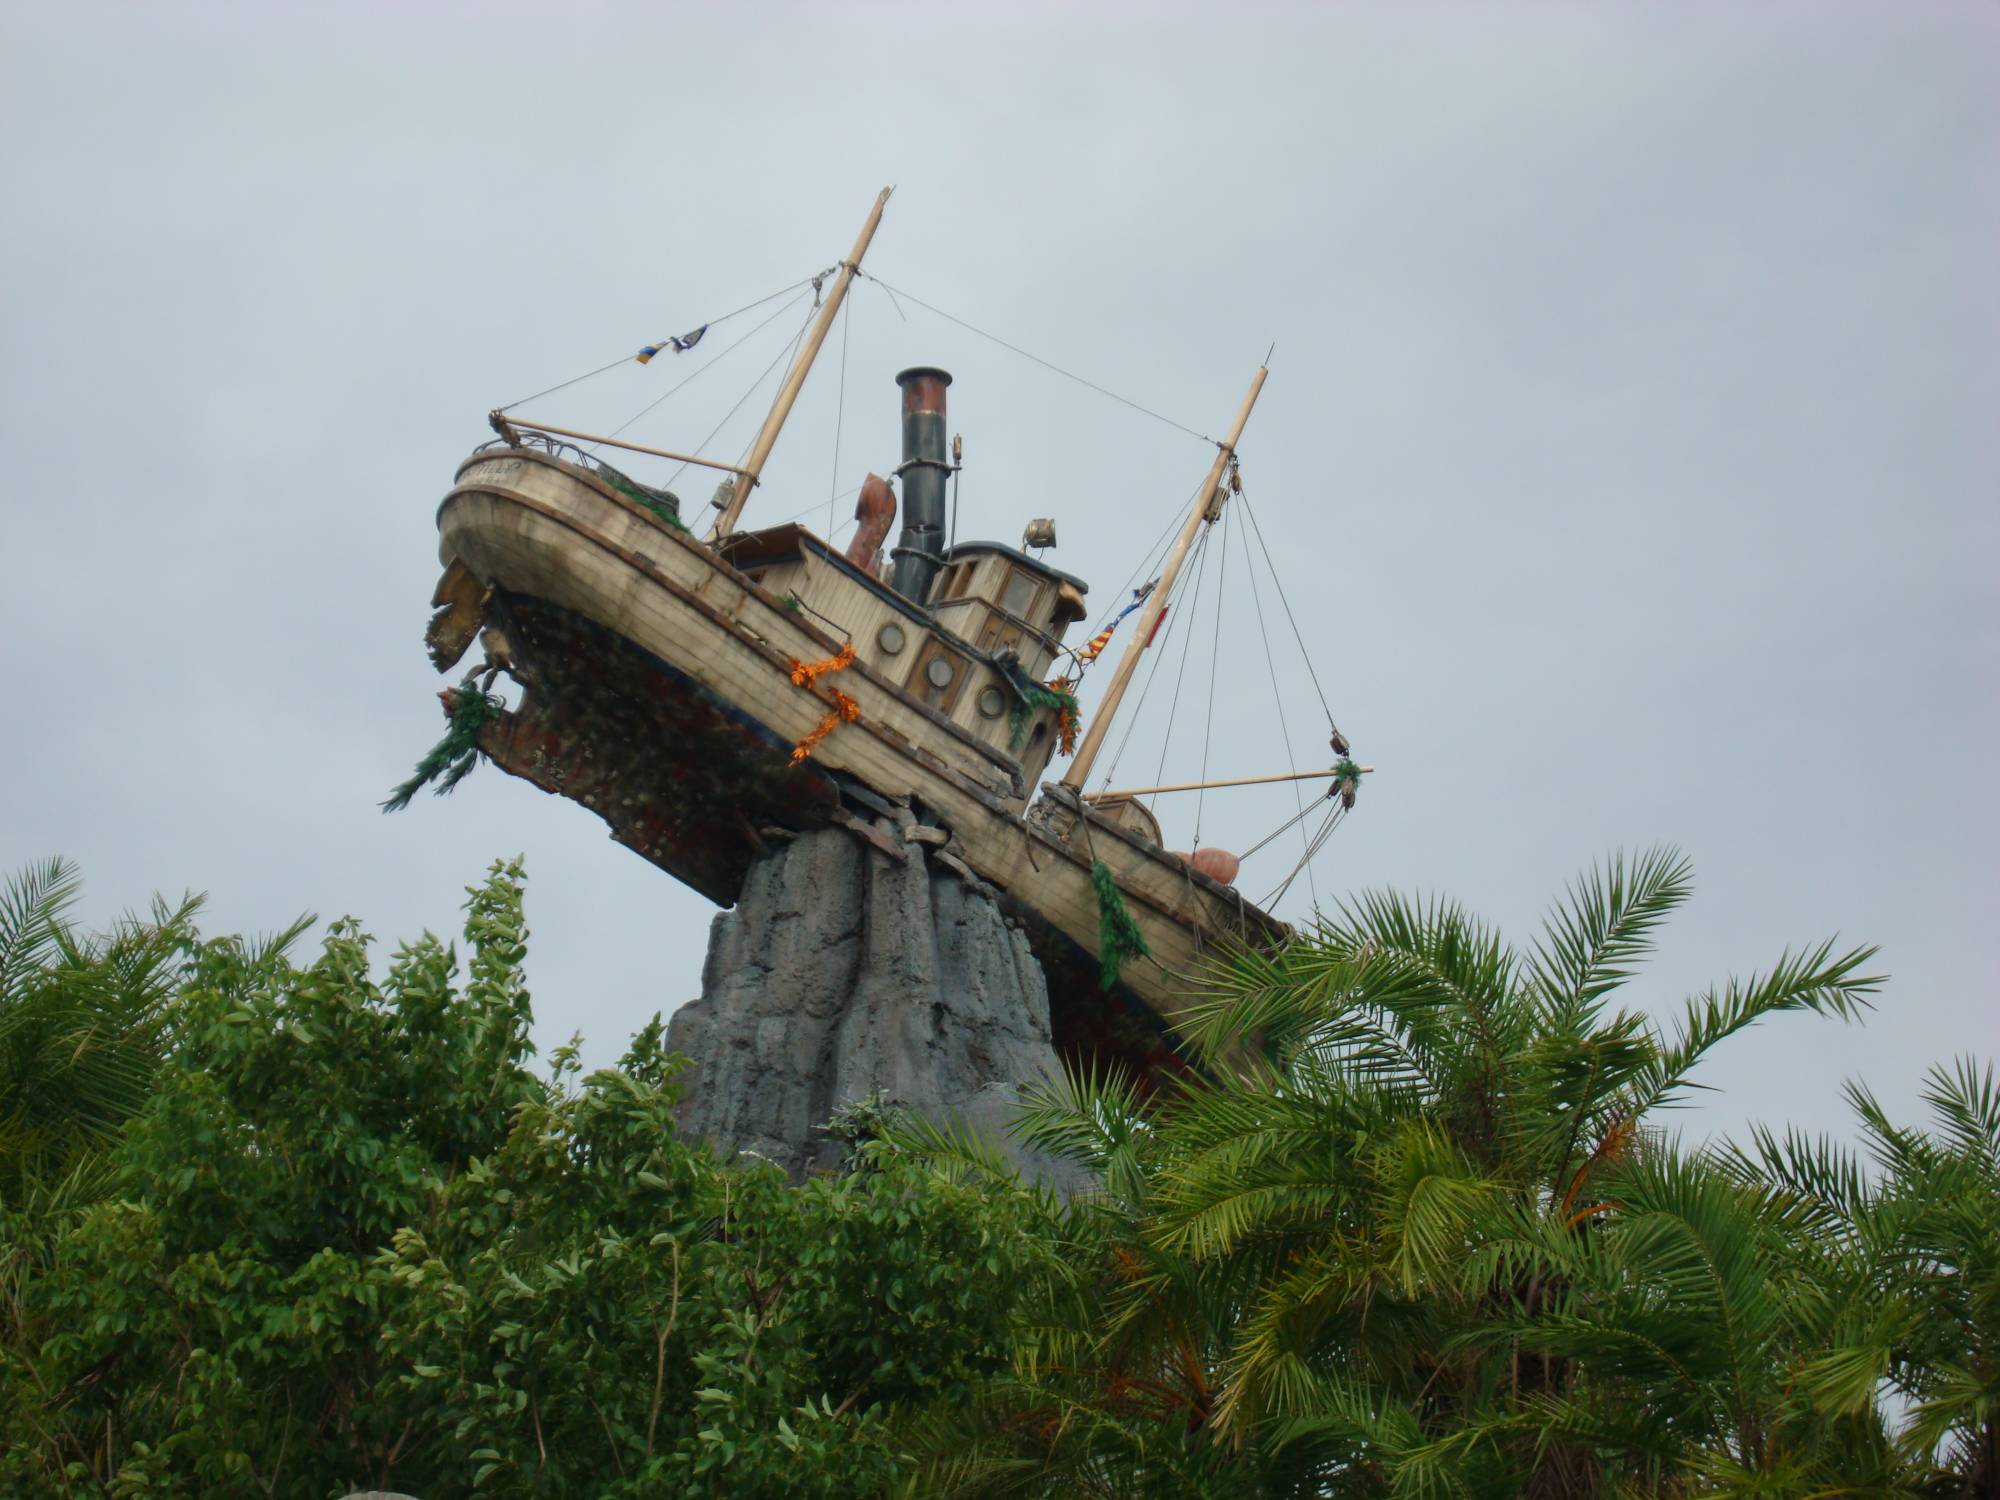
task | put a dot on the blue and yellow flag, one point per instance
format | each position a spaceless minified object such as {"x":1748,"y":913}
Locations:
{"x":679,"y":345}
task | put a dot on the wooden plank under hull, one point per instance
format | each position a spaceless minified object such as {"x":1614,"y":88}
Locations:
{"x":535,"y":527}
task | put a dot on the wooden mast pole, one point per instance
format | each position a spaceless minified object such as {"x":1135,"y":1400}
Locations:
{"x":1156,"y":605}
{"x":753,"y":466}
{"x":524,"y":425}
{"x":1202,"y":786}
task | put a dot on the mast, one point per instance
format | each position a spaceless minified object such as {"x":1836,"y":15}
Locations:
{"x":1149,"y":617}
{"x":795,"y":379}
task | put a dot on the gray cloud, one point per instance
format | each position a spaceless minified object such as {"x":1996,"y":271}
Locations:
{"x":1629,"y":446}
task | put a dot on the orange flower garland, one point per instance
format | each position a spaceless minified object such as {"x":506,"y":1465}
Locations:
{"x":805,"y":674}
{"x":844,"y":711}
{"x":1068,"y":719}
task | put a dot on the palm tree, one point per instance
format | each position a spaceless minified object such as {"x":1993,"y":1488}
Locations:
{"x":82,"y":1020}
{"x":82,"y":1023}
{"x":1417,"y":1231}
{"x":1904,"y":1266}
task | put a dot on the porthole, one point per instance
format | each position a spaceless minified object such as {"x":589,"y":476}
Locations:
{"x":991,"y":703}
{"x":890,"y":638}
{"x":939,"y":672}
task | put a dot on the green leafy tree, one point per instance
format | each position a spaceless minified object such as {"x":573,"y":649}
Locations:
{"x":354,"y":1240}
{"x":763,"y":1332}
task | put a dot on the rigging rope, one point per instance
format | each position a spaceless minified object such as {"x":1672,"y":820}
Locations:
{"x":852,"y":489}
{"x":628,"y":358}
{"x":1283,"y":828}
{"x":1146,"y":565}
{"x":1250,"y":511}
{"x":1284,"y":727}
{"x":1045,"y":364}
{"x":755,"y":385}
{"x":1214,"y":661}
{"x":892,"y":298}
{"x":682,"y":385}
{"x":1187,"y":644}
{"x":1167,"y":621}
{"x":1318,"y":843}
{"x":839,"y":416}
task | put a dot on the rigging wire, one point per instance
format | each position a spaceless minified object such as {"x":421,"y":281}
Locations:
{"x":1144,"y":566}
{"x":1045,"y":364}
{"x":1296,"y":634}
{"x":755,"y":385}
{"x":648,"y":407}
{"x":1170,"y":621}
{"x":628,"y":358}
{"x":1282,"y":829}
{"x":1284,"y":728}
{"x":1132,"y":718}
{"x":1318,"y":843}
{"x":890,"y":295}
{"x":1187,"y":645}
{"x":786,"y":357}
{"x":799,"y":515}
{"x":840,"y":414}
{"x":1214,"y":662}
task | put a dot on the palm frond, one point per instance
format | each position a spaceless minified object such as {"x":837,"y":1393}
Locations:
{"x":1093,"y":1116}
{"x":1815,"y":980}
{"x":34,"y":903}
{"x":1966,"y":1100}
{"x":1592,"y":939}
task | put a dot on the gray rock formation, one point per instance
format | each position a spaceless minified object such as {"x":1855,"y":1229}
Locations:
{"x":858,"y":959}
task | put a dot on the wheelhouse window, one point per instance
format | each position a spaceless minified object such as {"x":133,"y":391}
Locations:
{"x":1018,"y":598}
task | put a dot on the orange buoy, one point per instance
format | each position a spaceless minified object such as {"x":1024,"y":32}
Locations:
{"x":1218,"y":865}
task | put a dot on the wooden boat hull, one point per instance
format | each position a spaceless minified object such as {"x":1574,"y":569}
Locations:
{"x":659,"y":693}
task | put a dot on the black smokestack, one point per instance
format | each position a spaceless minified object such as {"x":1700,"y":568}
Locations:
{"x":919,"y":551}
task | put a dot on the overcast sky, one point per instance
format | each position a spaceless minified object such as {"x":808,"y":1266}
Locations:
{"x":1628,"y":453}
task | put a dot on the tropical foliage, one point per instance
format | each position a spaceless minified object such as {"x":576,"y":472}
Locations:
{"x":1421,"y":1233}
{"x":82,"y":1019}
{"x":278,"y":1225}
{"x":351,"y":1239}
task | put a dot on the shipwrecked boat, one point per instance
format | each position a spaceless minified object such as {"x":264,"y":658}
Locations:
{"x":707,"y":695}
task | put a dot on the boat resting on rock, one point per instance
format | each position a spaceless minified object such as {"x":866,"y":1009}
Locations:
{"x":711,"y":696}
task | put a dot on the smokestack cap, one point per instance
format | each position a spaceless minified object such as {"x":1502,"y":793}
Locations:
{"x":923,"y":390}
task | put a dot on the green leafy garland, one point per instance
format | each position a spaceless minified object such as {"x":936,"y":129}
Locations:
{"x":1030,"y":695}
{"x":633,"y":491}
{"x":1118,"y":936}
{"x":454,"y":756}
{"x":1347,"y":779}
